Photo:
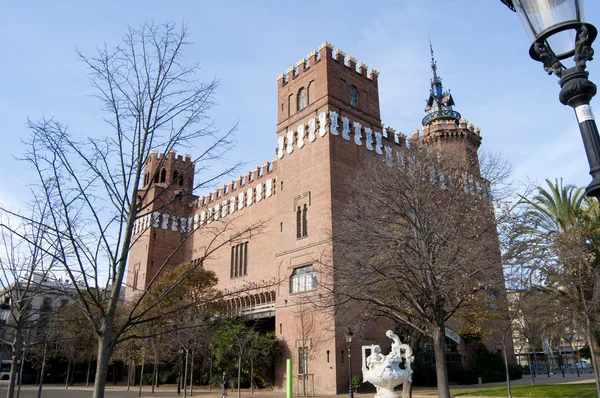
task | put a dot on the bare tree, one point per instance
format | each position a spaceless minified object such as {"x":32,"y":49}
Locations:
{"x":152,"y":101}
{"x":26,"y":259}
{"x":418,"y":244}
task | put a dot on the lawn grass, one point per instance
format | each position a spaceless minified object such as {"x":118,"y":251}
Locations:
{"x":586,"y":390}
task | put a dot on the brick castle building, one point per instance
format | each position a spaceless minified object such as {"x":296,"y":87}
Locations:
{"x":328,"y":121}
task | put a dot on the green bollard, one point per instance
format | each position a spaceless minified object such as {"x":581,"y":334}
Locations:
{"x":289,"y":376}
{"x":479,"y":381}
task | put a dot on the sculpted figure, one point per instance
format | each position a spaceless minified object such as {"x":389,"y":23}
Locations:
{"x":375,"y":357}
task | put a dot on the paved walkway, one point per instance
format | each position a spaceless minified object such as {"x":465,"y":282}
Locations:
{"x":58,"y":391}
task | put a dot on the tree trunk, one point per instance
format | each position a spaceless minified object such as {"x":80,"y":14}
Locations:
{"x":192,"y":375}
{"x":252,"y":376}
{"x":67,"y":378}
{"x":20,"y":381}
{"x":142,"y":372}
{"x":593,"y":342}
{"x":506,"y":368}
{"x":154,"y":374}
{"x":105,"y":350}
{"x":210,"y":373}
{"x":16,"y":354}
{"x":87,"y":376}
{"x":415,"y":339}
{"x":185,"y":375}
{"x":129,"y":370}
{"x":42,"y":370}
{"x":439,"y":347}
{"x":239,"y":375}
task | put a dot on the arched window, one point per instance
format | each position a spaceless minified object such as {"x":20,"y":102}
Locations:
{"x":163,"y":175}
{"x":156,"y":177}
{"x":301,"y":99}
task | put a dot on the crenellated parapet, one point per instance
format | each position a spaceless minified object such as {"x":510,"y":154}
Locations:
{"x":441,"y":130}
{"x":326,"y":52}
{"x":172,"y":155}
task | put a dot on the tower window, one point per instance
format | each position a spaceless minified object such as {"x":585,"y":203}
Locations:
{"x":175,"y":177}
{"x":163,"y":175}
{"x":353,"y":96}
{"x":305,"y":221}
{"x":302,"y":222}
{"x":301,"y":99}
{"x":239,"y":260}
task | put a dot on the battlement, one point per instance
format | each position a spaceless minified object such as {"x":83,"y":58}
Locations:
{"x":155,"y":155}
{"x":242,"y":182}
{"x":326,"y":52}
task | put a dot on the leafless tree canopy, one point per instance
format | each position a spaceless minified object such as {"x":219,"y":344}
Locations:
{"x":152,"y":100}
{"x":418,"y":244}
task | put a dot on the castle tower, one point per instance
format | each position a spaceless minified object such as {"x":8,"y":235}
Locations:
{"x":161,"y":226}
{"x":443,"y":127}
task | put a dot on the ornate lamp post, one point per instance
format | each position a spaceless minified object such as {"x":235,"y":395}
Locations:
{"x":558,"y":31}
{"x":348,"y":336}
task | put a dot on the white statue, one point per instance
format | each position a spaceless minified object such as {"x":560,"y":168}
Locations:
{"x":387,"y":372}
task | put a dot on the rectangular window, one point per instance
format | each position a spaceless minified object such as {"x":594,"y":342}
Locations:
{"x":302,"y":222}
{"x":303,"y":279}
{"x":239,"y":260}
{"x":303,"y":360}
{"x":299,"y":223}
{"x":305,"y":221}
{"x":353,"y":96}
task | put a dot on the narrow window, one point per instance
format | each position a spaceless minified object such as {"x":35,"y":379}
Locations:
{"x":232,"y":261}
{"x":181,"y":180}
{"x":163,"y":175}
{"x":305,"y":221}
{"x":145,"y":179}
{"x":245,"y":258}
{"x":175,"y":177}
{"x":342,"y":352}
{"x":156,"y":177}
{"x":281,"y":328}
{"x":298,"y":223}
{"x":353,"y":96}
{"x":327,"y":356}
{"x":301,"y":99}
{"x":281,"y":227}
{"x":303,"y":360}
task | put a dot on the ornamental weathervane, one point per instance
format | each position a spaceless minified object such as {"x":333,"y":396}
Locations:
{"x":440,"y":102}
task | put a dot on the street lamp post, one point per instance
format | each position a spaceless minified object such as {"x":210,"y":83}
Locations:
{"x":348,"y":335}
{"x":558,"y":31}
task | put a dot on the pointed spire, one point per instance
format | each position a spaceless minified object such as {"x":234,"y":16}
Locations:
{"x":433,"y":66}
{"x":440,"y":102}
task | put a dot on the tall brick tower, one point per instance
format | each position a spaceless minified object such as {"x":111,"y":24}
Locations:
{"x":443,"y":127}
{"x":166,"y":196}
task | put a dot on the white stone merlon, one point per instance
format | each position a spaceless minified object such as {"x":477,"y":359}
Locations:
{"x":363,"y":66}
{"x":325,"y":44}
{"x":374,"y":72}
{"x":301,"y":62}
{"x":289,"y":70}
{"x":339,"y":52}
{"x":313,"y":53}
{"x":279,"y":76}
{"x":351,"y":59}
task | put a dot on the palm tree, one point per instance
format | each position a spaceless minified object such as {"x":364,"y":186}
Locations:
{"x":566,"y":224}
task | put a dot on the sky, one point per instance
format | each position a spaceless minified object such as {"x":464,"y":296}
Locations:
{"x":480,"y":46}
